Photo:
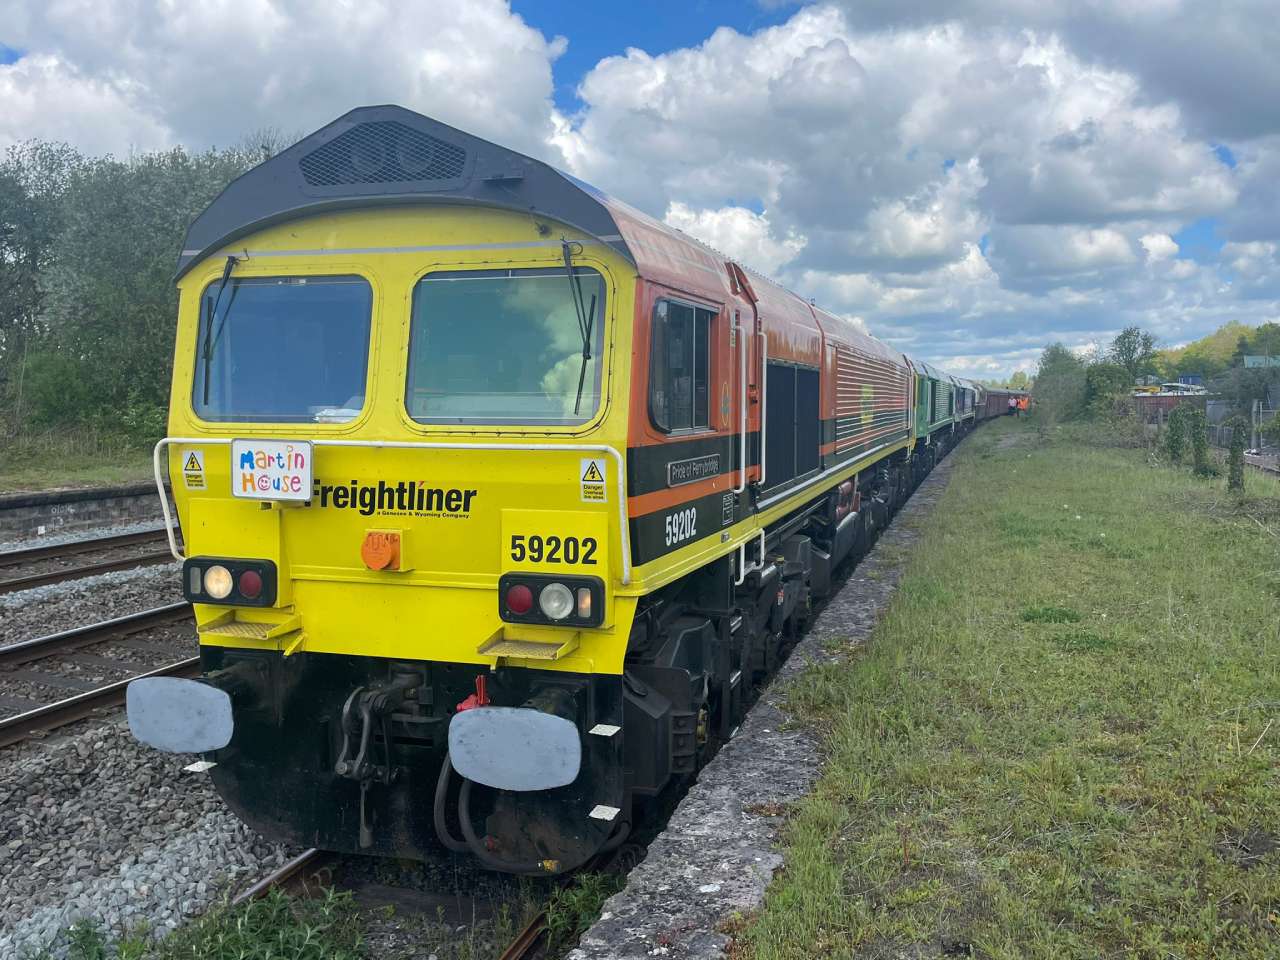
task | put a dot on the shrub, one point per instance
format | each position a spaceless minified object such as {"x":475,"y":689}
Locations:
{"x":1103,"y":384}
{"x":1198,"y":425}
{"x":1175,"y":434}
{"x":1239,"y":427}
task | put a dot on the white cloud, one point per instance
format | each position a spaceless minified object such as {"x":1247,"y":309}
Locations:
{"x":738,"y":233}
{"x":149,"y":72}
{"x":1158,"y":246}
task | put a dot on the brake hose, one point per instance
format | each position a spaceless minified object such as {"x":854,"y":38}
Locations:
{"x":442,"y":792}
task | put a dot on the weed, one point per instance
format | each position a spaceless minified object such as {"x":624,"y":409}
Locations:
{"x":575,"y":907}
{"x":1050,"y":615}
{"x":275,"y":927}
{"x":1085,"y":641}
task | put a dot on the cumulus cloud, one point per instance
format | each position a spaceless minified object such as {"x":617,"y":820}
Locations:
{"x":738,"y":233}
{"x":148,"y":72}
{"x":1158,"y":246}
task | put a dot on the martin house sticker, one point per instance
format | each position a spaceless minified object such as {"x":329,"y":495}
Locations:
{"x":271,"y":469}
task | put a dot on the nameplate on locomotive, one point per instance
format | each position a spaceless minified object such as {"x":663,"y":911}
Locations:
{"x":271,"y":469}
{"x":692,"y":470}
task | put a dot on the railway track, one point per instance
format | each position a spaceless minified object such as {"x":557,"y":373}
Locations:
{"x":33,"y":717}
{"x":314,"y":869}
{"x":57,"y":563}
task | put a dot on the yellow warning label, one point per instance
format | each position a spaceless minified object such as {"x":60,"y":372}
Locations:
{"x":593,"y":480}
{"x":193,"y":469}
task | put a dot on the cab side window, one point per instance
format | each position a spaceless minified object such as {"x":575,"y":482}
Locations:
{"x":679,"y":367}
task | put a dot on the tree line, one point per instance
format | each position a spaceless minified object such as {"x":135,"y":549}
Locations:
{"x":88,"y":249}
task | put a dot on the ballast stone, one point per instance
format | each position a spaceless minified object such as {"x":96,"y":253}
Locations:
{"x":718,"y":854}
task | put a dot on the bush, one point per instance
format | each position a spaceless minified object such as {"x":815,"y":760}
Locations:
{"x":1103,"y":384}
{"x":1198,"y":425}
{"x":1175,"y":434}
{"x":1239,"y":427}
{"x":1059,"y":389}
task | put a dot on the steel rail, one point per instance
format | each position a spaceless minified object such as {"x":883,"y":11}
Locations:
{"x":528,"y":939}
{"x":23,"y":725}
{"x":40,"y":647}
{"x":309,"y":861}
{"x":73,"y":548}
{"x":77,"y":573}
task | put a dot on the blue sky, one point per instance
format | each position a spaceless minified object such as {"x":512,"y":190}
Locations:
{"x":9,"y":54}
{"x":599,"y":30}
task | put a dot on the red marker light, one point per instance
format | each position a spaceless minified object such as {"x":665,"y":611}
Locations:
{"x":519,"y":599}
{"x":250,"y":585}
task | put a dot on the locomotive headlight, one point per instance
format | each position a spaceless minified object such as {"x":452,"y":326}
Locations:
{"x":218,"y":582}
{"x":556,"y":601}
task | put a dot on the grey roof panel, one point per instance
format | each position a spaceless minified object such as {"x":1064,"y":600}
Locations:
{"x":387,"y":155}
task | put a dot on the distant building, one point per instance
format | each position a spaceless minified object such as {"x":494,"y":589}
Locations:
{"x":1261,"y":361}
{"x":1194,"y":379}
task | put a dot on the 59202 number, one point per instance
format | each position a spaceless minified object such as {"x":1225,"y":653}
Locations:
{"x":682,"y":525}
{"x":553,"y":549}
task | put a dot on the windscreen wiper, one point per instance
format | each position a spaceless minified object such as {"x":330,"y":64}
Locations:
{"x":206,"y":351}
{"x":586,"y":316}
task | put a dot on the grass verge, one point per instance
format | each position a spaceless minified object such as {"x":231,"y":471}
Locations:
{"x":276,"y":927}
{"x":1063,"y":739}
{"x":55,"y":461}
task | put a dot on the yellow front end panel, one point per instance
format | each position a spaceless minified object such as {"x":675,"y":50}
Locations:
{"x":457,"y":512}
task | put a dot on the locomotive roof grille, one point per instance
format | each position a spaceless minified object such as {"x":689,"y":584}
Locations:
{"x":384,"y":151}
{"x":385,"y":156}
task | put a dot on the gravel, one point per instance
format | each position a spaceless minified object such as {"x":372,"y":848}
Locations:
{"x":98,"y":827}
{"x":61,"y":606}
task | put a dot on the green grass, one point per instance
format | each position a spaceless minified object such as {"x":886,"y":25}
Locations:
{"x":273,"y":928}
{"x":575,"y":907}
{"x":55,"y":461}
{"x":1063,"y":739}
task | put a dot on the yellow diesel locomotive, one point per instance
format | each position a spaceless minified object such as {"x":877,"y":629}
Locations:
{"x":497,"y":495}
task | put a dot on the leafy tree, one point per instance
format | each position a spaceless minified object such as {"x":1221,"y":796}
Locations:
{"x":34,"y":178}
{"x":1135,"y":350}
{"x":1060,"y":384}
{"x":1241,"y":386}
{"x":1019,"y":380}
{"x":1239,"y":427}
{"x":97,"y":333}
{"x":1271,"y":429}
{"x":1103,"y":384}
{"x":1242,"y":348}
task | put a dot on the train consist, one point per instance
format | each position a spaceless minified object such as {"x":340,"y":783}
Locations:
{"x":497,"y":494}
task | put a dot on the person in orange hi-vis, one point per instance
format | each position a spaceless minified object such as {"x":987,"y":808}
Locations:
{"x":1024,"y":402}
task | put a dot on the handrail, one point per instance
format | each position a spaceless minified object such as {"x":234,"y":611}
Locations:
{"x":743,"y":569}
{"x":624,"y":538}
{"x":764,"y":393}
